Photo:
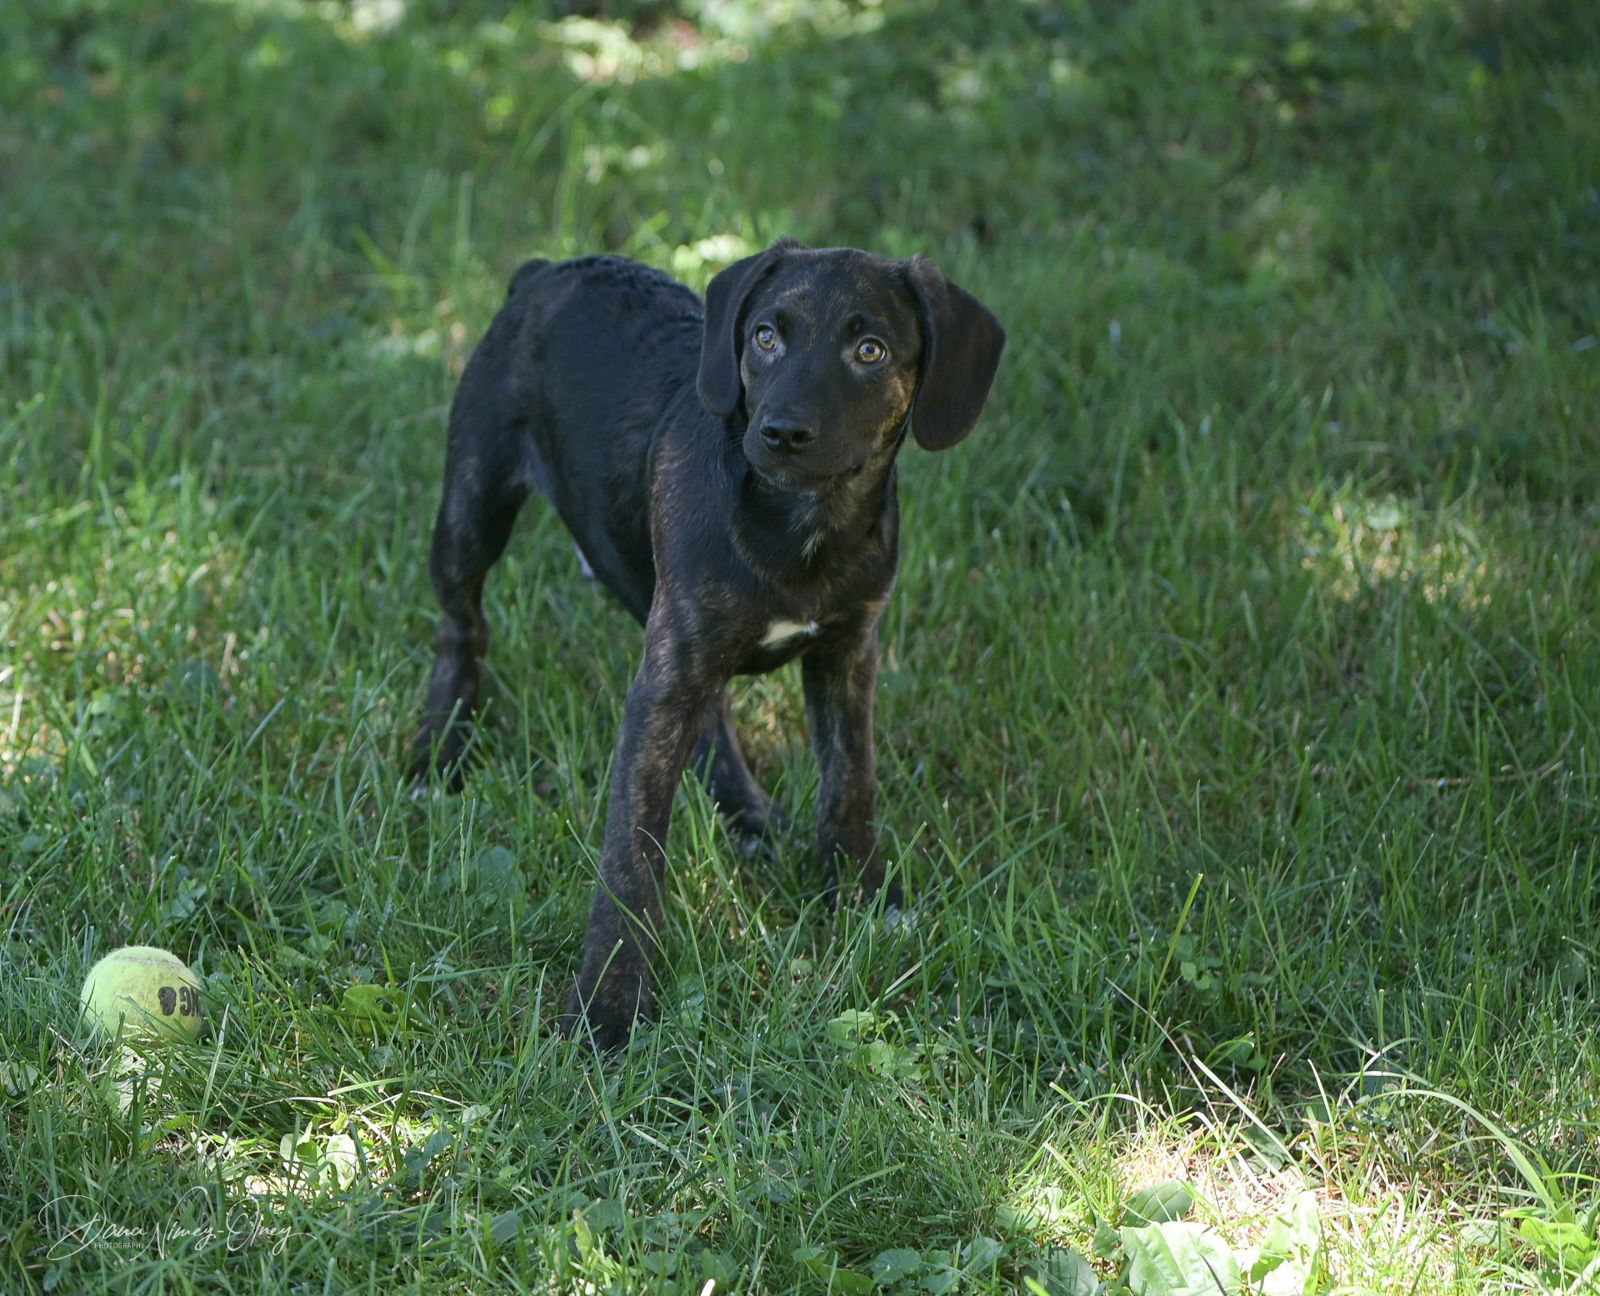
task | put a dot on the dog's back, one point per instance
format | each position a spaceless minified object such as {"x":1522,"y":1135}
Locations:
{"x":585,"y":363}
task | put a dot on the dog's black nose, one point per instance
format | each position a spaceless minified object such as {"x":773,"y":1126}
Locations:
{"x":785,"y":438}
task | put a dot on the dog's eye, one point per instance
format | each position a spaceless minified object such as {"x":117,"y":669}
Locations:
{"x":766,"y":337}
{"x":870,"y":351}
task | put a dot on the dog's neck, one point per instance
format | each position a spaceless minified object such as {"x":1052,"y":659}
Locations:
{"x":793,"y":535}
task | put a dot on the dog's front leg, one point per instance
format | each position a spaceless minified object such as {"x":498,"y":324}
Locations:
{"x":840,"y":678}
{"x":665,"y":712}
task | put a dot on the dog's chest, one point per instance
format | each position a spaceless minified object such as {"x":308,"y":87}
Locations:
{"x":782,"y":633}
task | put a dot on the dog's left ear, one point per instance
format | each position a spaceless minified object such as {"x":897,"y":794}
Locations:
{"x":961,"y":345}
{"x":719,"y":383}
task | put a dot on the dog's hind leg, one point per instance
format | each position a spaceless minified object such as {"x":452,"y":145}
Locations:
{"x":752,"y":816}
{"x":480,"y":505}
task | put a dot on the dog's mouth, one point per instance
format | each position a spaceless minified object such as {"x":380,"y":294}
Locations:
{"x":800,"y":480}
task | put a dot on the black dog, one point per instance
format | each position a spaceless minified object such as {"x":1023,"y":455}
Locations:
{"x":729,"y":475}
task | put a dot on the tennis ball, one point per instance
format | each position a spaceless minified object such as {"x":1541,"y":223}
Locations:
{"x":144,"y":992}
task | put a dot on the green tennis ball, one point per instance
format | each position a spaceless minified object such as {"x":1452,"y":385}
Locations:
{"x":145,"y":993}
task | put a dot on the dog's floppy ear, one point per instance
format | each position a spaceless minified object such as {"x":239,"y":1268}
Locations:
{"x":719,"y":384}
{"x":961,"y":345}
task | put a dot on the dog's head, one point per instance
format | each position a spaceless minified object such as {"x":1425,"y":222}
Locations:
{"x":829,"y":353}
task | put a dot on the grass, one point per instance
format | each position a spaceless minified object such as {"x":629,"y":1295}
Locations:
{"x":1238,"y":728}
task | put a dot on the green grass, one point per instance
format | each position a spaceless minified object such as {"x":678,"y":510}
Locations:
{"x":1238,"y":720}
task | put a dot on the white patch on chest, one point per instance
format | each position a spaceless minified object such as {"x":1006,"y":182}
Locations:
{"x":780,"y":632}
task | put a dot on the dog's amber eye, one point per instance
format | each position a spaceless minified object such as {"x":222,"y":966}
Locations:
{"x":766,"y":337}
{"x":870,"y":351}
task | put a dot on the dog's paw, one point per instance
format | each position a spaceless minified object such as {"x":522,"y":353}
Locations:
{"x":603,"y":1037}
{"x":430,"y":785}
{"x":438,"y":763}
{"x":864,"y":886}
{"x":898,"y":920}
{"x":757,"y":835}
{"x":596,"y":1020}
{"x":423,"y":789}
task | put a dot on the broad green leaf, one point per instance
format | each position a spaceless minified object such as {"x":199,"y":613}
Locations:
{"x":1267,"y":1147}
{"x":889,"y":1267}
{"x":342,"y":1159}
{"x":1060,"y":1272}
{"x":811,"y":1257}
{"x":1033,"y":1210}
{"x":1178,"y":1258}
{"x":604,"y":1214}
{"x":495,"y":880}
{"x":1564,"y":1243}
{"x":505,"y":1226}
{"x":1291,"y":1278}
{"x":1107,"y":1243}
{"x":663,"y":1264}
{"x":848,"y":1027}
{"x":329,"y":915}
{"x":1287,"y":1263}
{"x":376,"y":1006}
{"x":16,"y":1078}
{"x":824,"y":1264}
{"x":1296,"y":1230}
{"x":1170,"y":1200}
{"x":583,"y":1237}
{"x":717,"y":1267}
{"x":941,"y":1271}
{"x":982,"y":1254}
{"x":1011,"y":1218}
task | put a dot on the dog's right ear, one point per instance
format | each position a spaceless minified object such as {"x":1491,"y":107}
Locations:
{"x":719,"y":383}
